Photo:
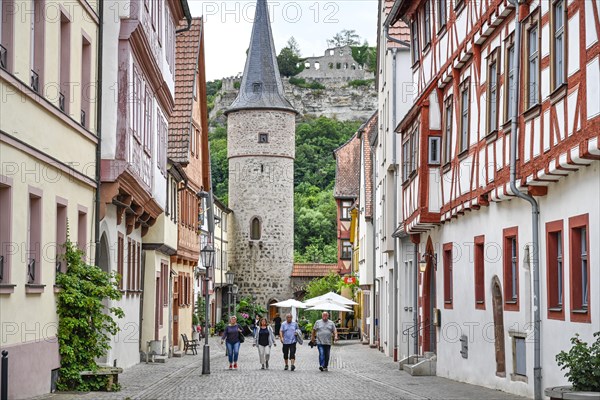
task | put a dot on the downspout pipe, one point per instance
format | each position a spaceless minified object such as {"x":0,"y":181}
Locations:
{"x":415,"y":296}
{"x":188,"y":17}
{"x":535,"y":214}
{"x":98,"y":134}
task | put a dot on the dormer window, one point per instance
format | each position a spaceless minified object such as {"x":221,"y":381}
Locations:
{"x":257,"y":87}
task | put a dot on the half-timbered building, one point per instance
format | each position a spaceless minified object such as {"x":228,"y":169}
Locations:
{"x":478,"y":280}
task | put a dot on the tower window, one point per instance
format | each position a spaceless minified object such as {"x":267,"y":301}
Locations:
{"x":255,"y":229}
{"x":263,"y":138}
{"x":257,"y":87}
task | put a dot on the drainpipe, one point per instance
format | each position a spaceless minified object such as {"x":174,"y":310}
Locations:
{"x":535,"y":213}
{"x":416,"y":296}
{"x":98,"y":133}
{"x":188,"y":17}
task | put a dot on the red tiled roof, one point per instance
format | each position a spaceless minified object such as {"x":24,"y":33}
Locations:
{"x":369,"y":129}
{"x":347,"y":169}
{"x":313,"y":270}
{"x":186,"y":60}
{"x":399,"y":30}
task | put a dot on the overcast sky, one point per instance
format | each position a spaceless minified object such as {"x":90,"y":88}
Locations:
{"x":311,"y":22}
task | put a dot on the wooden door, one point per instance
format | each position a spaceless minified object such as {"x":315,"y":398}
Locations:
{"x":175,"y":313}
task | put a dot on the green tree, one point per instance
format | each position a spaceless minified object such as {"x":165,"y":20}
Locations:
{"x":319,"y":286}
{"x":346,"y":37}
{"x":293,"y":45}
{"x":289,"y":63}
{"x":85,"y":323}
{"x":219,"y":163}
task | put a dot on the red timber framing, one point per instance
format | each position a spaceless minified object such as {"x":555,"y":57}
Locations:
{"x":557,"y":135}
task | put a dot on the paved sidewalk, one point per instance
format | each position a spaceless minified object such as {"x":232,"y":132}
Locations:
{"x":355,"y":372}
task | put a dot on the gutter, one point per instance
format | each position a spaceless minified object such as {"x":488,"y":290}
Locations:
{"x":188,"y":17}
{"x":535,"y":215}
{"x":98,"y":132}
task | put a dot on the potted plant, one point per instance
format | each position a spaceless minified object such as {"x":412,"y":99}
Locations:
{"x":582,"y":363}
{"x":220,"y":327}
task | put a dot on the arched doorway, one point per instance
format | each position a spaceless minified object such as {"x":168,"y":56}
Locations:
{"x":272,"y":310}
{"x":498,"y":327}
{"x":428,"y":331}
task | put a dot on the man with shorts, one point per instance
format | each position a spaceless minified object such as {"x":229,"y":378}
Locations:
{"x":287,"y":335}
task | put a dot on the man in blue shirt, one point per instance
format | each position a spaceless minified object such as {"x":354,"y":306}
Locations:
{"x":287,"y":335}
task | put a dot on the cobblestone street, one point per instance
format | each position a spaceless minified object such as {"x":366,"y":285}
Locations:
{"x":355,"y":372}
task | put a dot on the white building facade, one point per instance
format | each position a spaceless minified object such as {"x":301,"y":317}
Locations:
{"x":138,"y":86}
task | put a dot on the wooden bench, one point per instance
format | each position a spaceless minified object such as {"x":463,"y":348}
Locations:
{"x":189,"y":345}
{"x":343,"y":333}
{"x":111,"y":372}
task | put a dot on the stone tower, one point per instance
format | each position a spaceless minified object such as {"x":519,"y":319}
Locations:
{"x":261,"y":151}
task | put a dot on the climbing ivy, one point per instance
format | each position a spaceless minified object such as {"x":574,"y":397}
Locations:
{"x":85,"y":323}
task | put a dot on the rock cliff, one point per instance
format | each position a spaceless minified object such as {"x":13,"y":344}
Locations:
{"x":338,"y":100}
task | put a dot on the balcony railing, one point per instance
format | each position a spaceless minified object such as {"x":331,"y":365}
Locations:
{"x":35,"y":81}
{"x":61,"y":102}
{"x":3,"y":57}
{"x":31,"y":271}
{"x":83,"y":118}
{"x":1,"y":269}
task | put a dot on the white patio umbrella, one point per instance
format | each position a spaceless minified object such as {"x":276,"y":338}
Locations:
{"x":333,"y":297}
{"x":328,"y":305}
{"x":290,"y":303}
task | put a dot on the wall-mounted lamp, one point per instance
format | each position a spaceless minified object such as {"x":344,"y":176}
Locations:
{"x":425,"y":259}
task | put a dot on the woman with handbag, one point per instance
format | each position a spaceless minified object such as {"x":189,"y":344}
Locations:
{"x":264,"y":339}
{"x":233,"y":337}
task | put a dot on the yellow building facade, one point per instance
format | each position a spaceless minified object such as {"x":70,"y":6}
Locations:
{"x":47,"y":175}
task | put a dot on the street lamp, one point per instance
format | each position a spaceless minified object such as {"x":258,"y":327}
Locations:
{"x":229,"y":277}
{"x":207,"y":255}
{"x":234,"y":289}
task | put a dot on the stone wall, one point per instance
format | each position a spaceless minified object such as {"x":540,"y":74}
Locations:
{"x":261,"y":184}
{"x":336,"y":63}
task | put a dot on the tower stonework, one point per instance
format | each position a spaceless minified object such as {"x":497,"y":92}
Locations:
{"x":261,"y":151}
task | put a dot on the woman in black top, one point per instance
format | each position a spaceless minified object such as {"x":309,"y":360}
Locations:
{"x":232,"y":336}
{"x":264,"y":339}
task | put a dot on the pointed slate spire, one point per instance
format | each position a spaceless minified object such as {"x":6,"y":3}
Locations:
{"x":261,"y":85}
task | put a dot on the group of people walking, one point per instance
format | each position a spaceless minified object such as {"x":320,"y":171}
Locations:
{"x":324,"y":333}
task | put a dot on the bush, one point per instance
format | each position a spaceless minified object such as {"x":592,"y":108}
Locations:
{"x":236,"y":85}
{"x":84,"y":322}
{"x":301,"y":82}
{"x":583,"y":364}
{"x":361,"y":82}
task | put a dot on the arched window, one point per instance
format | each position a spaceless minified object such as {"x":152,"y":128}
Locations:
{"x":255,"y":229}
